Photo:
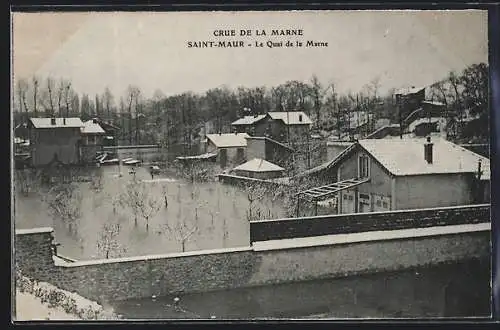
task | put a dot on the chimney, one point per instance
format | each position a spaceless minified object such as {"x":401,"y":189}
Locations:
{"x":64,"y":120}
{"x":53,"y":121}
{"x":479,"y":171}
{"x":428,"y":150}
{"x":94,"y":120}
{"x":300,"y":118}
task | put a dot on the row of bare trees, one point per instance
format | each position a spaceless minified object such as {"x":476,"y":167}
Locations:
{"x":464,"y":95}
{"x":181,"y":119}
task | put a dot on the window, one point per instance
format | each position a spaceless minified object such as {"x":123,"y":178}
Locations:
{"x":363,"y":166}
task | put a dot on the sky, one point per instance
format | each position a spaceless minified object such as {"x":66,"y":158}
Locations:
{"x":149,"y":49}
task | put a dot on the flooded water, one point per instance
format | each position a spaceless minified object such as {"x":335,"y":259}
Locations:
{"x":451,"y":290}
{"x":219,"y":212}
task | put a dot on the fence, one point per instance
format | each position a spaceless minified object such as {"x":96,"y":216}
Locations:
{"x":262,"y":230}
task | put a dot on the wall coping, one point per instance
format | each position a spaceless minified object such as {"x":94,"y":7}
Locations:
{"x":370,"y":236}
{"x":38,"y":230}
{"x":326,"y":216}
{"x":152,"y":257}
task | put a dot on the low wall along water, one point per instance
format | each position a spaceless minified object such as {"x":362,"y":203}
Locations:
{"x":265,"y":262}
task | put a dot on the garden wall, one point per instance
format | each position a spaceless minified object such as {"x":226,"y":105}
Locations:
{"x":264,"y":263}
{"x":262,"y":230}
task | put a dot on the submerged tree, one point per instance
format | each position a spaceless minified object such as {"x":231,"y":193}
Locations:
{"x":254,"y":193}
{"x":141,"y":199}
{"x":65,"y":202}
{"x":107,"y":242}
{"x":181,"y":231}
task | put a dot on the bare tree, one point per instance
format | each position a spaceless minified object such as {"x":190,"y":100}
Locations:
{"x":22,"y":88}
{"x":142,"y":201}
{"x":35,"y":95}
{"x":68,"y":97}
{"x":65,"y":202}
{"x":181,"y":231}
{"x":254,"y":193}
{"x":317,"y":95}
{"x":108,"y":244}
{"x":50,"y":90}
{"x":107,"y":99}
{"x":132,"y":95}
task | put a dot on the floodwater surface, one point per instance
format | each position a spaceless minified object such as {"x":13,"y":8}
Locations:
{"x":449,"y":290}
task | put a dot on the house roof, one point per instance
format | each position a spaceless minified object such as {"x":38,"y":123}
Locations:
{"x":248,"y":120}
{"x":402,"y":157}
{"x":91,"y":128}
{"x":228,"y":140}
{"x":60,"y":122}
{"x":259,"y":165}
{"x":409,"y":90}
{"x":406,"y":157}
{"x":291,"y":117}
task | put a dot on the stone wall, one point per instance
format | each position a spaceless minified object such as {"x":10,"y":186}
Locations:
{"x":263,"y":263}
{"x":262,"y":230}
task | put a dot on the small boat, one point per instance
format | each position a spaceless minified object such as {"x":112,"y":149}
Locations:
{"x":113,"y":161}
{"x":132,"y":162}
{"x":127,"y":159}
{"x":100,"y":158}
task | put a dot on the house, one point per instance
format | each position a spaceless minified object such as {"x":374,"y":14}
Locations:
{"x":229,"y":147}
{"x":110,"y":136}
{"x":397,"y":174}
{"x":259,"y":169}
{"x":55,"y":139}
{"x":408,"y":99}
{"x":270,"y":150}
{"x":248,"y":125}
{"x":93,"y":136}
{"x":281,"y":126}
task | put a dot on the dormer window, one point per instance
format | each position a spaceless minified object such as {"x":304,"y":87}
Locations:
{"x":363,"y":166}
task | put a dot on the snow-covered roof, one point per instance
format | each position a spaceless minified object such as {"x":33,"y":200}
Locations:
{"x":90,"y":127}
{"x":60,"y":122}
{"x":259,"y":165}
{"x":248,"y":120}
{"x":406,"y":157}
{"x":202,"y":156}
{"x":408,"y":90}
{"x":228,"y":140}
{"x":291,"y":117}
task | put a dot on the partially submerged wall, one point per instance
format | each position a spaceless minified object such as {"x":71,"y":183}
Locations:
{"x":268,"y":262}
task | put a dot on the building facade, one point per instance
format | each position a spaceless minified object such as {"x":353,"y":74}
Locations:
{"x":407,"y":174}
{"x":55,"y":139}
{"x":230,"y":148}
